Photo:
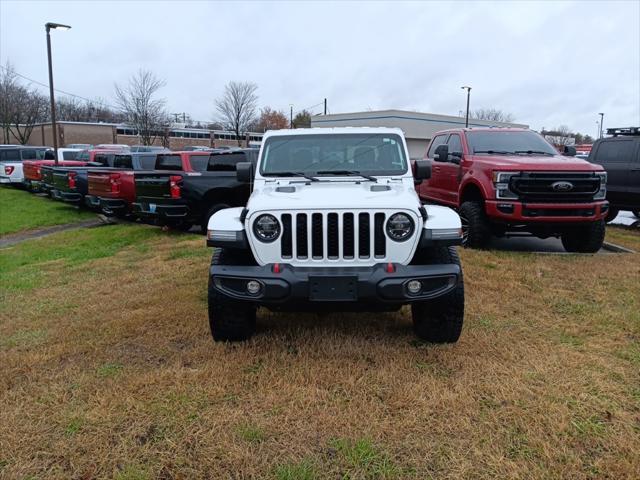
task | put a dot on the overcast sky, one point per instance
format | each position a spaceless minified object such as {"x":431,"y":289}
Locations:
{"x":547,"y":63}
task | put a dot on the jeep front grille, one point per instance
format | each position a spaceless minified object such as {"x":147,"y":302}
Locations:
{"x":539,"y":186}
{"x":333,"y":236}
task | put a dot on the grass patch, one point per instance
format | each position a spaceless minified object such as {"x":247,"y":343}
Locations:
{"x":188,"y":252}
{"x":109,"y":370}
{"x":303,"y":470}
{"x":23,"y":264}
{"x":23,"y":211}
{"x":132,"y":472}
{"x":24,"y":338}
{"x":251,"y":433}
{"x":73,"y":426}
{"x":363,"y":459}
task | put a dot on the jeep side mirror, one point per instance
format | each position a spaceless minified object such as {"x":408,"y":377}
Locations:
{"x":422,"y":170}
{"x":441,"y":153}
{"x":244,"y":172}
{"x":569,"y":151}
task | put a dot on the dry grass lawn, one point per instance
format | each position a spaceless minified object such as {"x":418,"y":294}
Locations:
{"x":108,"y":371}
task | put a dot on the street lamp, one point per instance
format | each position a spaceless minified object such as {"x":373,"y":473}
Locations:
{"x":291,"y":116}
{"x":468,"y":89}
{"x":48,"y":26}
{"x":601,"y":122}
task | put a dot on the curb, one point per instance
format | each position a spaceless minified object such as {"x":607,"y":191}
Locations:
{"x":612,"y":247}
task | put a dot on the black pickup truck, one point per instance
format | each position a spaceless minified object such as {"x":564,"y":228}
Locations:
{"x":182,"y":199}
{"x":71,"y":185}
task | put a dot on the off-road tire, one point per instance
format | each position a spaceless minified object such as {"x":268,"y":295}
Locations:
{"x":210,"y":211}
{"x":636,"y":213}
{"x":475,"y":225}
{"x":230,"y":320}
{"x":584,"y":239}
{"x":612,"y":213}
{"x":440,"y":320}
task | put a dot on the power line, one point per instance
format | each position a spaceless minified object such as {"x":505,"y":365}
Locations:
{"x":57,"y":90}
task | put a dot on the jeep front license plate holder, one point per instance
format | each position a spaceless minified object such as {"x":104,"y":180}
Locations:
{"x":333,"y":289}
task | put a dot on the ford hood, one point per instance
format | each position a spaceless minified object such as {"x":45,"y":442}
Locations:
{"x":533,"y":162}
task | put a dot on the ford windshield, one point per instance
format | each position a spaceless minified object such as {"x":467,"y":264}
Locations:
{"x":321,"y":155}
{"x":500,"y":142}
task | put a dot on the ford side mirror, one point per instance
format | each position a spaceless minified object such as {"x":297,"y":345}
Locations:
{"x":422,"y":170}
{"x":456,"y":157}
{"x":442,"y":153}
{"x":569,"y":151}
{"x":244,"y":172}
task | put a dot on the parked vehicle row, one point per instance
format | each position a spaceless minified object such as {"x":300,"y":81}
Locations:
{"x":178,"y":189}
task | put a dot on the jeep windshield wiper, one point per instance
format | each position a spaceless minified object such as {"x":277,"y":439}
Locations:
{"x":290,"y":174}
{"x":534,"y":152}
{"x":347,"y":172}
{"x":492,"y":152}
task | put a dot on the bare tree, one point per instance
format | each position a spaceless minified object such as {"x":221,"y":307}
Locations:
{"x":237,"y":107}
{"x":30,"y":108}
{"x":141,"y":109}
{"x":491,"y":114}
{"x":8,"y":84}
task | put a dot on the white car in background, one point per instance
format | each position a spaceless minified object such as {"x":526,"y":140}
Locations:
{"x":69,"y":153}
{"x":11,"y":158}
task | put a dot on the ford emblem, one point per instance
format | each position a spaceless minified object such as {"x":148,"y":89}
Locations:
{"x":562,"y":186}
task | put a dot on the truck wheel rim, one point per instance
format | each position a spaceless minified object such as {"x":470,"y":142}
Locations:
{"x":465,"y":229}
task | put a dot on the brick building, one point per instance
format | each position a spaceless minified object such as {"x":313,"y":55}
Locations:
{"x":178,"y":136}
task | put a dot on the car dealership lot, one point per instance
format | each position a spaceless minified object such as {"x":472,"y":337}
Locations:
{"x":109,"y":371}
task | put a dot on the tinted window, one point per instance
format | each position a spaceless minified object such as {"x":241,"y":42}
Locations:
{"x":501,"y":141}
{"x":83,"y":156}
{"x":370,"y":153}
{"x":615,"y":151}
{"x":169,"y":162}
{"x":199,"y":162}
{"x":225,"y":162}
{"x":69,"y":155}
{"x":122,"y":161}
{"x":435,"y":143}
{"x":10,"y":155}
{"x":45,"y":154}
{"x":147,"y":162}
{"x":28,"y":154}
{"x":102,"y":159}
{"x":455,"y":145}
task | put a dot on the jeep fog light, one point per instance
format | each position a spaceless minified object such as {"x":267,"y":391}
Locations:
{"x":414,"y":286}
{"x":253,"y":287}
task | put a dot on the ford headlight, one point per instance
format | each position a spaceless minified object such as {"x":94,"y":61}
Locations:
{"x":602,"y":192}
{"x":266,"y":228}
{"x":400,"y":227}
{"x":501,"y":182}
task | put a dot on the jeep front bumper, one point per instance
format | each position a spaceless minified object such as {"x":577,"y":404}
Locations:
{"x":286,"y":286}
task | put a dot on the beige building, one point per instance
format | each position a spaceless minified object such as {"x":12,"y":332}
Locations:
{"x":97,"y":133}
{"x":419,"y":128}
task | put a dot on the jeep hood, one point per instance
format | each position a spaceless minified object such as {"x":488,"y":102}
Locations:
{"x":331,"y":195}
{"x":532,"y":162}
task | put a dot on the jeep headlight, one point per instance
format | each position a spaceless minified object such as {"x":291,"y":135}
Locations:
{"x":501,"y":183}
{"x":602,"y":192}
{"x":400,"y":227}
{"x":266,"y":228}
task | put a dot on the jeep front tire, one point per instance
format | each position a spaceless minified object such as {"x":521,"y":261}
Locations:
{"x":440,"y":320}
{"x":230,"y":320}
{"x":584,"y":239}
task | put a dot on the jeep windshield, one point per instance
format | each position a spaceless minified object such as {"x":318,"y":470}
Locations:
{"x":501,"y":142}
{"x":328,"y":155}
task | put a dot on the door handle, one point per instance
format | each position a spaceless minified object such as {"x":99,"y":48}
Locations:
{"x":437,"y":169}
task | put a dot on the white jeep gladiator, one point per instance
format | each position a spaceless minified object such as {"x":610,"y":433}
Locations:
{"x":334,"y":222}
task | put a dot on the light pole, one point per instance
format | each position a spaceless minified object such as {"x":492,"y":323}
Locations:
{"x":468,"y":89}
{"x":291,"y":116}
{"x":601,"y":123}
{"x":48,"y":26}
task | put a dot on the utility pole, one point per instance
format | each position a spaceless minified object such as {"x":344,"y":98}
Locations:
{"x":325,"y":106}
{"x":291,"y":116}
{"x":468,"y":89}
{"x":48,"y":26}
{"x":601,"y":123}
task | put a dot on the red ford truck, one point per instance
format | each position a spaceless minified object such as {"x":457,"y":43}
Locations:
{"x":509,"y":181}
